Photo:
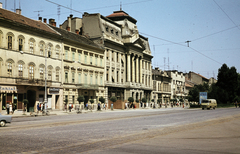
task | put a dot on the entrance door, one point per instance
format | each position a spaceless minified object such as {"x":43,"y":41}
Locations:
{"x":31,"y":96}
{"x":20,"y":102}
{"x":86,"y":100}
{"x":56,"y":102}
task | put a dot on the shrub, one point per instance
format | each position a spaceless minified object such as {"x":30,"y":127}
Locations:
{"x":102,"y":100}
{"x":80,"y":99}
{"x":91,"y":101}
{"x":130,"y":99}
{"x":144,"y":100}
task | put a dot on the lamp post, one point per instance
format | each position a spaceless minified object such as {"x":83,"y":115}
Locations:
{"x":45,"y":98}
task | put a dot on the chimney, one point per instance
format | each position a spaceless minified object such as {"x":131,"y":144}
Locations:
{"x":40,"y":19}
{"x":0,"y":5}
{"x":44,"y":20}
{"x":60,"y":26}
{"x":52,"y":22}
{"x":77,"y":31}
{"x":68,"y":28}
{"x":18,"y":11}
{"x":69,"y":22}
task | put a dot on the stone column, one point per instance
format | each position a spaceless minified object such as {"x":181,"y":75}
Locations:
{"x":128,"y":68}
{"x":137,"y":69}
{"x":133,"y":69}
{"x":140,"y":74}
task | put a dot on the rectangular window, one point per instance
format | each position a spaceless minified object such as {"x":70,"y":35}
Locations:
{"x":85,"y":59}
{"x":66,"y":54}
{"x":66,"y":77}
{"x":9,"y":42}
{"x":101,"y":61}
{"x":91,"y":78}
{"x":91,"y":60}
{"x":85,"y":78}
{"x":79,"y":57}
{"x":73,"y":56}
{"x":73,"y":77}
{"x":101,"y":80}
{"x":96,"y":80}
{"x":79,"y":78}
{"x":20,"y":70}
{"x":57,"y":53}
{"x":96,"y":60}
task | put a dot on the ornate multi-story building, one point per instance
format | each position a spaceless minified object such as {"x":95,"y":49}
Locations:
{"x":32,"y":50}
{"x":127,"y":54}
{"x":28,"y":50}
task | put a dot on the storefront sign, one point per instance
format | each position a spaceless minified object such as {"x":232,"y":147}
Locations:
{"x":8,"y":88}
{"x":54,"y":90}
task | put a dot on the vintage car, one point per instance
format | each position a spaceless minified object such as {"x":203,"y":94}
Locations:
{"x":209,"y":103}
{"x":5,"y":119}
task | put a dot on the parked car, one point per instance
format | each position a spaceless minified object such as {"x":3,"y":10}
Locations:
{"x":5,"y":119}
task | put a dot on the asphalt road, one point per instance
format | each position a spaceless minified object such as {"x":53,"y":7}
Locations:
{"x":134,"y":131}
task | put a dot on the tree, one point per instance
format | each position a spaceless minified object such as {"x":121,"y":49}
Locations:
{"x":80,"y":99}
{"x":131,"y":100}
{"x":113,"y":99}
{"x":102,"y":100}
{"x":137,"y":100}
{"x":91,"y":101}
{"x":144,"y":100}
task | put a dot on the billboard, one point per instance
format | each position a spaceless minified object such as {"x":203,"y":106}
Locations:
{"x":202,"y":95}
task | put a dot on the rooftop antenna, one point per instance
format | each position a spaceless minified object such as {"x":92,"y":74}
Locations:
{"x":168,"y":59}
{"x":38,"y":12}
{"x":188,"y":43}
{"x":19,"y":5}
{"x":6,"y":4}
{"x":121,"y":6}
{"x":58,"y":11}
{"x":164,"y":62}
{"x":14,"y":5}
{"x":71,"y":5}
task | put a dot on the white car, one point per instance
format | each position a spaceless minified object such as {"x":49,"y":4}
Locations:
{"x":5,"y":119}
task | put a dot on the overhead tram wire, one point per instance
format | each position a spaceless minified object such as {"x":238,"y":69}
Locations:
{"x":182,"y":45}
{"x":226,"y":14}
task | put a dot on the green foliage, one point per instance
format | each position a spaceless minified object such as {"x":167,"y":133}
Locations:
{"x":181,"y":100}
{"x":144,"y":100}
{"x":130,"y":99}
{"x":66,"y":101}
{"x":80,"y":99}
{"x":152,"y":100}
{"x":25,"y":101}
{"x":91,"y":101}
{"x":159,"y":100}
{"x":113,"y":99}
{"x":194,"y":92}
{"x":137,"y":100}
{"x":102,"y":100}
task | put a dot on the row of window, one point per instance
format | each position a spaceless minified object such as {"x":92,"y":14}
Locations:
{"x":87,"y":78}
{"x":30,"y":69}
{"x":111,"y":30}
{"x":77,"y":56}
{"x":42,"y":50}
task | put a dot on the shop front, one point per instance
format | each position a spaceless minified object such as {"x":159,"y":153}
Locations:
{"x":8,"y":95}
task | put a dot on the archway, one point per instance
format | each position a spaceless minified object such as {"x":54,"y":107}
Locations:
{"x":31,"y":97}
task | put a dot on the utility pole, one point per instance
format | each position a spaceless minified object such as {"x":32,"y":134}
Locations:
{"x":188,"y":43}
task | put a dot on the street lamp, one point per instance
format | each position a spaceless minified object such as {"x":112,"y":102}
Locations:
{"x":45,"y":98}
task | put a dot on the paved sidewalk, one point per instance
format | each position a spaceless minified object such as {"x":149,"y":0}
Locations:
{"x":61,"y":112}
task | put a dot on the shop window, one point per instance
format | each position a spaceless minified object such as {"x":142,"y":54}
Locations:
{"x":9,"y":69}
{"x":31,"y":72}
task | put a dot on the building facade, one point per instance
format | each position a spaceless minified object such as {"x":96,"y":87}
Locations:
{"x":127,"y":54}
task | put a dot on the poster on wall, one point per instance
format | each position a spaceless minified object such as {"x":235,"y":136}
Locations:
{"x":202,"y":96}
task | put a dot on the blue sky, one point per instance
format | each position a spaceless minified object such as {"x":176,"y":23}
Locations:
{"x":212,"y":26}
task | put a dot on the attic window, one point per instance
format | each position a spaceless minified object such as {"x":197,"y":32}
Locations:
{"x":117,"y":33}
{"x":112,"y":31}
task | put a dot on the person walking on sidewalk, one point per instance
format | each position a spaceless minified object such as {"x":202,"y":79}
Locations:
{"x":8,"y":108}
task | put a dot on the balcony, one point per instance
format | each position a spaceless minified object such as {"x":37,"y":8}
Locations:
{"x":87,"y":86}
{"x":37,"y":82}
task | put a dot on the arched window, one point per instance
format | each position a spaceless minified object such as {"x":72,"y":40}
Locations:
{"x":57,"y":73}
{"x":49,"y":50}
{"x":57,"y":52}
{"x":20,"y":68}
{"x":41,"y":71}
{"x":1,"y":34}
{"x":31,"y":45}
{"x":9,"y":69}
{"x":10,"y":40}
{"x":20,"y":43}
{"x":31,"y":71}
{"x":50,"y":72}
{"x":41,"y":46}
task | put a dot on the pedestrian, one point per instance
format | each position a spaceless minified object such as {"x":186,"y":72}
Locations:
{"x":87,"y":106}
{"x":42,"y":107}
{"x":104,"y":107}
{"x":236,"y":104}
{"x":8,"y":108}
{"x":160,"y":105}
{"x":69,"y":107}
{"x":99,"y":106}
{"x":38,"y":108}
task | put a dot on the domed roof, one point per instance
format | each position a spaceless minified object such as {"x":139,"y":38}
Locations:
{"x":121,"y":15}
